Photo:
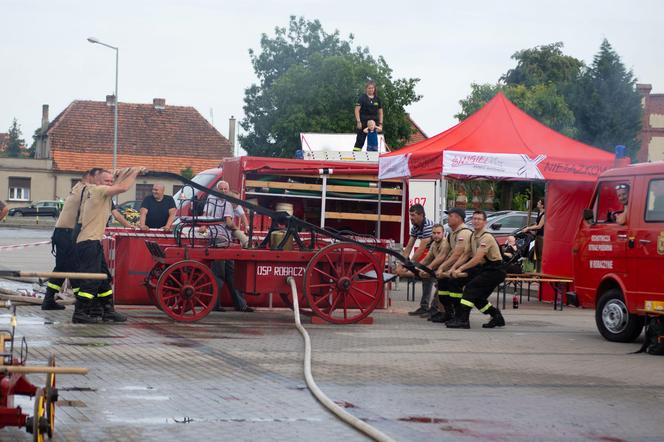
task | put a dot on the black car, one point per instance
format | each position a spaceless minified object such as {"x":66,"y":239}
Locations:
{"x":40,"y":208}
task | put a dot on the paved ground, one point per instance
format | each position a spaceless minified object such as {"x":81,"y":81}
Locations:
{"x":233,"y":376}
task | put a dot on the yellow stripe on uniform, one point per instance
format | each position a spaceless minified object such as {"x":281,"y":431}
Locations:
{"x":486,"y":307}
{"x":85,"y":295}
{"x":443,"y":293}
{"x":56,"y":287}
{"x":467,"y":303}
{"x":104,"y":294}
{"x":76,"y":289}
{"x":455,"y":295}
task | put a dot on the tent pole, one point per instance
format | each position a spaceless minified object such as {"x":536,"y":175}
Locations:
{"x":443,"y":197}
{"x":379,"y":210}
{"x":403,"y":210}
{"x":530,"y":203}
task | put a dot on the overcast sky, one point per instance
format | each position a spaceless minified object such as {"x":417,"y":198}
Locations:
{"x":194,"y":52}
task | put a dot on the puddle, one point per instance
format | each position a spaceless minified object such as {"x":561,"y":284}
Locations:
{"x":76,"y":389}
{"x":344,"y":404}
{"x":74,"y":404}
{"x":136,"y":388}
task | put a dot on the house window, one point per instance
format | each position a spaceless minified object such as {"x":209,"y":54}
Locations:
{"x":143,"y":190}
{"x":74,"y":181}
{"x":19,"y":189}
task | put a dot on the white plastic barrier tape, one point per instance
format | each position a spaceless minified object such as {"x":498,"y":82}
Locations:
{"x":24,"y":246}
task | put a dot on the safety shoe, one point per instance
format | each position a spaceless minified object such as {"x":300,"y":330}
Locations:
{"x":110,"y":315}
{"x":81,"y":316}
{"x":461,"y":321}
{"x":497,"y":320}
{"x":435,"y":317}
{"x":50,"y":304}
{"x":418,"y":312}
{"x":442,"y":318}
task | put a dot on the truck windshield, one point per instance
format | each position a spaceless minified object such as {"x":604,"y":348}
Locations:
{"x":184,"y":194}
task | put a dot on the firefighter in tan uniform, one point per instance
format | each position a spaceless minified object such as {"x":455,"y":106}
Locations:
{"x":95,"y":211}
{"x":450,"y":289}
{"x":438,"y":250}
{"x":485,"y":272}
{"x":64,"y":240}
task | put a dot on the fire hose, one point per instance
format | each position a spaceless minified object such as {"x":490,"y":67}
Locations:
{"x":348,"y":418}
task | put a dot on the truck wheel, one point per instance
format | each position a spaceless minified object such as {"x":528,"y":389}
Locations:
{"x":613,"y":319}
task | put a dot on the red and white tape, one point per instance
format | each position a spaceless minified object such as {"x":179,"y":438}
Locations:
{"x":24,"y":246}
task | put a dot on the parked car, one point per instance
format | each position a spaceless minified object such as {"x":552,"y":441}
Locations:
{"x":506,"y":224}
{"x":40,"y":208}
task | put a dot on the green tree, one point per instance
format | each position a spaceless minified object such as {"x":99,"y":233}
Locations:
{"x":541,"y":101}
{"x":15,"y":142}
{"x":607,"y":105}
{"x":187,"y":172}
{"x":543,"y":65}
{"x":308,"y":82}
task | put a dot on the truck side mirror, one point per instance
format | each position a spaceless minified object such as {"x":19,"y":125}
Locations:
{"x":588,"y":215}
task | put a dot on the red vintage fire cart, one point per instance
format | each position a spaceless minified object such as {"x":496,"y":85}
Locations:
{"x":339,"y":277}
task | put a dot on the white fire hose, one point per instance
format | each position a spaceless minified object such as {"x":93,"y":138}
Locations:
{"x":348,"y":418}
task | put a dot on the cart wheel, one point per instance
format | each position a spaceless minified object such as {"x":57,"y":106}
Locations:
{"x":186,"y":291}
{"x":151,"y":282}
{"x":38,"y":423}
{"x":343,"y":283}
{"x":51,"y":397}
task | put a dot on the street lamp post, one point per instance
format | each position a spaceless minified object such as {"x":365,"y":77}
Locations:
{"x":117,"y":103}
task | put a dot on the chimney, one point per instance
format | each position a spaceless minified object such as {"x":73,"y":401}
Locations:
{"x":42,"y":149}
{"x":159,"y":103}
{"x":110,"y":100}
{"x":231,"y":132}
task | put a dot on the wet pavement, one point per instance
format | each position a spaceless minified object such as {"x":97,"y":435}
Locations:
{"x":548,"y":375}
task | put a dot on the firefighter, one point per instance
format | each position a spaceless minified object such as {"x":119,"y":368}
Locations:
{"x":450,"y":289}
{"x":438,"y":251}
{"x":95,"y":210}
{"x":64,"y":239}
{"x":485,"y":272}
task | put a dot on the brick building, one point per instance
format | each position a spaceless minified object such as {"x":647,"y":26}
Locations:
{"x":652,"y":131}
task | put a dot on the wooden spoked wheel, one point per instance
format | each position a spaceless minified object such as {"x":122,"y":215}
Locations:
{"x":151,"y":281}
{"x":51,"y":394}
{"x":39,"y":422}
{"x":186,"y":291}
{"x":343,"y":283}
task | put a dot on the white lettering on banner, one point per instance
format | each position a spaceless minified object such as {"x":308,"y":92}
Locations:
{"x":597,"y":264}
{"x":601,"y":238}
{"x":279,"y":271}
{"x":492,"y":164}
{"x":600,"y":247}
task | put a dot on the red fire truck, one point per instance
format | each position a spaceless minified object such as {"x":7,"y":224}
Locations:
{"x":619,"y":250}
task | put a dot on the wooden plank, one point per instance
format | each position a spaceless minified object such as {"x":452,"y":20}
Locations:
{"x":319,"y":187}
{"x":362,"y":216}
{"x":338,"y":177}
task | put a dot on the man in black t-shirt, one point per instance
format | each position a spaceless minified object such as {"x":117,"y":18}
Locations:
{"x":157,"y":210}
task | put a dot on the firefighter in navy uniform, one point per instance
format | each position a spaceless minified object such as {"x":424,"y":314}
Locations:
{"x":485,"y":272}
{"x":95,"y":297}
{"x":64,"y":239}
{"x":450,"y":289}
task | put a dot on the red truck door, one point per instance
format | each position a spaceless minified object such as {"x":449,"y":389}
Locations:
{"x":647,"y":248}
{"x":602,"y":245}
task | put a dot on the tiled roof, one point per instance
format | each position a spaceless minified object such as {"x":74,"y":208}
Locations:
{"x":75,"y":162}
{"x":417,"y":135}
{"x":172,"y":138}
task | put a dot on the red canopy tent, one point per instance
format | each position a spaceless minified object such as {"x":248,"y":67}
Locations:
{"x":502,"y":141}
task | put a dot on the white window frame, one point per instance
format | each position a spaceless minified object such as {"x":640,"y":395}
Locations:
{"x":19,"y":194}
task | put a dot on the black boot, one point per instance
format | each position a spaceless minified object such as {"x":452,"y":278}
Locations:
{"x":497,"y":319}
{"x":96,"y":309}
{"x":109,"y":312}
{"x":462,"y":318}
{"x":81,"y":312}
{"x":49,"y":301}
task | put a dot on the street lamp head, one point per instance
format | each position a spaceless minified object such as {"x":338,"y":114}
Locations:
{"x":93,"y":40}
